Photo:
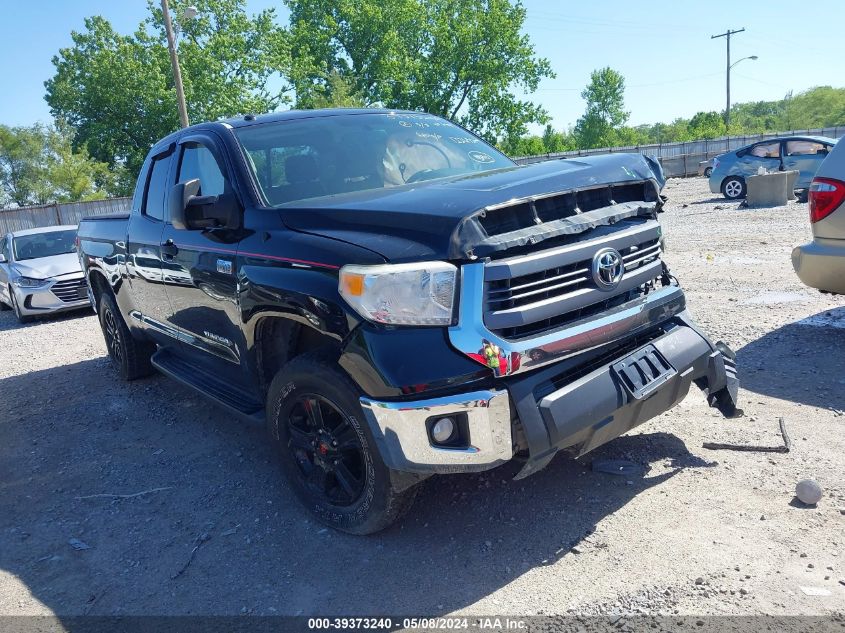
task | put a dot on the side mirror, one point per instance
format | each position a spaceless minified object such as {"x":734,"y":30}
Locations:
{"x":2,"y":258}
{"x":179,"y":196}
{"x":191,"y":212}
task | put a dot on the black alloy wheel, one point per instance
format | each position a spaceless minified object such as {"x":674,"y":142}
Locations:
{"x":114,"y":341}
{"x":326,"y":450}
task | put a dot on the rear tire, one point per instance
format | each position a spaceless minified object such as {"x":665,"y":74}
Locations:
{"x":22,"y":318}
{"x":327,"y":451}
{"x":734,"y":188}
{"x":707,"y":172}
{"x":130,"y":356}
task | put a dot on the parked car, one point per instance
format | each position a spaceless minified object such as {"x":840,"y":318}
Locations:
{"x":395,"y":298}
{"x":705,"y":168}
{"x":821,"y":263}
{"x":801,"y":153}
{"x":40,"y":272}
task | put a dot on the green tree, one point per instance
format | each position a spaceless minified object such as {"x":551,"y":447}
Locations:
{"x":117,"y":91}
{"x":605,"y":113}
{"x":38,"y":165}
{"x":706,"y":125}
{"x":460,"y":59}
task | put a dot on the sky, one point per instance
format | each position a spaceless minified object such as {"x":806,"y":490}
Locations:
{"x":664,"y":49}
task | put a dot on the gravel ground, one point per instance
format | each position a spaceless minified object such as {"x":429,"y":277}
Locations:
{"x":218,"y":532}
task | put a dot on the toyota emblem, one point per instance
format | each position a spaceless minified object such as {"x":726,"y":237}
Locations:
{"x":608,"y":268}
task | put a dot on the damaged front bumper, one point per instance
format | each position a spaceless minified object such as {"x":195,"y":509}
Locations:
{"x":575,"y":404}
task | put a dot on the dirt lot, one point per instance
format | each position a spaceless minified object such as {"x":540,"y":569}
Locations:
{"x":700,"y":532}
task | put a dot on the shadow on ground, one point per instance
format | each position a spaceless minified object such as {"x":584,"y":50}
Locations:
{"x":210,"y":484}
{"x":8,"y":321}
{"x":799,"y":362}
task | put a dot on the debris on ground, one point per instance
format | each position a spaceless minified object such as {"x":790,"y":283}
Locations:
{"x":620,"y":467}
{"x":78,"y":545}
{"x":787,"y":444}
{"x":808,"y":492}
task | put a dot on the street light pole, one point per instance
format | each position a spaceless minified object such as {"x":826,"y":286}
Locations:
{"x":727,"y":34}
{"x":174,"y":61}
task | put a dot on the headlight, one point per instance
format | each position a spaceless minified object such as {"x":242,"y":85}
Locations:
{"x":401,"y":294}
{"x":28,"y":282}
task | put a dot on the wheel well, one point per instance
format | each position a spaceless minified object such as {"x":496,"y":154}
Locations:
{"x":278,"y":340}
{"x":99,"y":285}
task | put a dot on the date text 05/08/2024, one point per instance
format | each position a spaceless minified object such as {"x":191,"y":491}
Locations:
{"x":443,"y":623}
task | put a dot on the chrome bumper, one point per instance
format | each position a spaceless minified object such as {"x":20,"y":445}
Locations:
{"x":401,"y":435}
{"x":469,"y":334}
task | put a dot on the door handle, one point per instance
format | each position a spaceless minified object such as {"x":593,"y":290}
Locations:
{"x":169,"y":249}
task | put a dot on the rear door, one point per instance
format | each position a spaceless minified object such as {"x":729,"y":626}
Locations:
{"x":198,"y":267}
{"x":805,"y":156}
{"x":143,"y":246}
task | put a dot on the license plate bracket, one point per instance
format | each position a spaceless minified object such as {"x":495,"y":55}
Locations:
{"x":643,"y":372}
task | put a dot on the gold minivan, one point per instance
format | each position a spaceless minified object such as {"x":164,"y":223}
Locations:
{"x":821,"y":263}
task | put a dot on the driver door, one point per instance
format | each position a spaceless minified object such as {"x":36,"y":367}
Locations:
{"x":766,"y":155}
{"x":199,"y":269}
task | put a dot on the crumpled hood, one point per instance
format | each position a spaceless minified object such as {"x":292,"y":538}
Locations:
{"x":46,"y":267}
{"x":422,"y":220}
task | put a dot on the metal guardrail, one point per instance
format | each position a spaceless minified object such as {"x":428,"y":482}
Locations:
{"x":682,"y":158}
{"x":59,"y":213}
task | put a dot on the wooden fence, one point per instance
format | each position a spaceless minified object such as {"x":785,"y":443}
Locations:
{"x":681,"y":159}
{"x":59,"y":213}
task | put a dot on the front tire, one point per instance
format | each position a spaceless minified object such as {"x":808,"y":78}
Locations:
{"x":21,"y":317}
{"x":708,"y":172}
{"x":326,"y":449}
{"x":130,"y":356}
{"x":734,"y":188}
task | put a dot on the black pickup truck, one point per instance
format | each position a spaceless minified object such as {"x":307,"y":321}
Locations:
{"x":395,"y":298}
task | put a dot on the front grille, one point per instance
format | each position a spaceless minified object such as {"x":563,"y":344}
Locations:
{"x":531,"y":294}
{"x":70,"y":290}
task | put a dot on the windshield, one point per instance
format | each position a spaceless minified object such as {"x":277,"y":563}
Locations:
{"x":321,"y":156}
{"x":44,"y":244}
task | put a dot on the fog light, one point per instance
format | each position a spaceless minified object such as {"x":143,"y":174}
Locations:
{"x":443,"y":430}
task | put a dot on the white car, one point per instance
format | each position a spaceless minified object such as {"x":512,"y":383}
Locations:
{"x":40,"y":272}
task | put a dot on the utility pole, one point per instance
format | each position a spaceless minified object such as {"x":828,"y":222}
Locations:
{"x":174,"y":61}
{"x":727,"y":35}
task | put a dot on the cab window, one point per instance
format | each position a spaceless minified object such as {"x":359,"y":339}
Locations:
{"x":156,"y":188}
{"x":198,"y":162}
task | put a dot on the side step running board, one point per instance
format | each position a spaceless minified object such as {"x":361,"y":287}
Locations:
{"x":209,"y":386}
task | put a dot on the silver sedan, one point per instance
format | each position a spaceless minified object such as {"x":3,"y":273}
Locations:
{"x":40,"y":272}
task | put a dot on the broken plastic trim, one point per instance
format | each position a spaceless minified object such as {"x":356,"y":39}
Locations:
{"x":472,"y":241}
